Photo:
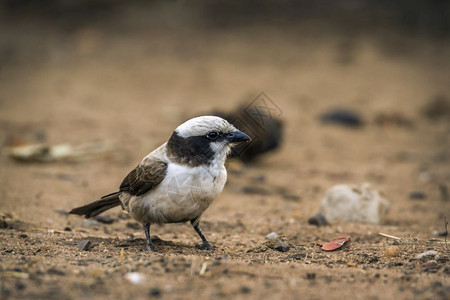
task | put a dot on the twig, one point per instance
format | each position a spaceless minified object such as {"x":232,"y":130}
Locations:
{"x":203,"y":269}
{"x":389,"y":236}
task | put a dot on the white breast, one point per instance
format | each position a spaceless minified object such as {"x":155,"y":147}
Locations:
{"x":184,"y":194}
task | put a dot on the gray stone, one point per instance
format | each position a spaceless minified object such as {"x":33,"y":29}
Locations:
{"x":354,"y":203}
{"x":272,"y":236}
{"x":84,"y":245}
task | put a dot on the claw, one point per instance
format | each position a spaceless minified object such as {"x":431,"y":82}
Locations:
{"x":205,"y":246}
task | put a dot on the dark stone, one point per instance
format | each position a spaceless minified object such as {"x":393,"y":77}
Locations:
{"x":436,"y":284}
{"x":259,"y":178}
{"x":84,"y":245}
{"x":343,"y":117}
{"x":254,"y":190}
{"x":54,"y":271}
{"x":318,"y":220}
{"x":4,"y":292}
{"x":372,"y":260}
{"x":417,"y":195}
{"x":105,"y":219}
{"x":67,"y":229}
{"x":155,"y":292}
{"x":437,"y":108}
{"x":282,"y":246}
{"x":311,"y":276}
{"x":20,"y":286}
{"x":3,"y":224}
{"x":245,"y":290}
{"x":23,"y":235}
{"x":298,"y":256}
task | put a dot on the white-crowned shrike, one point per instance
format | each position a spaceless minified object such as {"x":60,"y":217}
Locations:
{"x":177,"y":181}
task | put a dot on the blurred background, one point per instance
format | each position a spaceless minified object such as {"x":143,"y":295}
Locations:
{"x":128,"y":72}
{"x":361,"y":91}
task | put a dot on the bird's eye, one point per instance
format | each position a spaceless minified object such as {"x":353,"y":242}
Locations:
{"x":212,"y":135}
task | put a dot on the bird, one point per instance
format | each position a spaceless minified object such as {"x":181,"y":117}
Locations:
{"x":177,"y":181}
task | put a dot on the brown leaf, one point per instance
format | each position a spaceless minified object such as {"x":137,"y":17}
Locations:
{"x":335,"y":244}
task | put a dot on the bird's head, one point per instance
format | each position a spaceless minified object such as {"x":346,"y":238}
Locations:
{"x":202,"y":140}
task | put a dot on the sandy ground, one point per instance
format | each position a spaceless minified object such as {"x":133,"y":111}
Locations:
{"x":130,"y":86}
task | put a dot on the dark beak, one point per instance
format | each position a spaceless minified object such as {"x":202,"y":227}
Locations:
{"x":237,"y":137}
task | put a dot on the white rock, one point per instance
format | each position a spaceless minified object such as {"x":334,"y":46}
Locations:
{"x":272,"y":236}
{"x":431,"y":253}
{"x":354,"y":203}
{"x":135,"y":277}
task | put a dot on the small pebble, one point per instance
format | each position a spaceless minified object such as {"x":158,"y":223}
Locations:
{"x":431,"y":253}
{"x":135,"y":277}
{"x":318,"y":220}
{"x":54,"y":271}
{"x":272,"y":236}
{"x":282,"y":246}
{"x":224,"y":258}
{"x":430,"y":264}
{"x":20,"y":286}
{"x":155,"y":292}
{"x":392,"y":251}
{"x":311,"y":276}
{"x":84,"y":245}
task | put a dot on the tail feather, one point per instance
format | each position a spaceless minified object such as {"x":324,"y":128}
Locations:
{"x":97,"y":207}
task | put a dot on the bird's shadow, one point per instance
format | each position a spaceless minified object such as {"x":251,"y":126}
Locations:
{"x":141,"y":244}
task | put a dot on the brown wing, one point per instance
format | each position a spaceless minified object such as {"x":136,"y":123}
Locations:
{"x":144,"y":177}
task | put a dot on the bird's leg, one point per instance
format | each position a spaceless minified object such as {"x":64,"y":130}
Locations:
{"x":150,"y":246}
{"x":205,"y":244}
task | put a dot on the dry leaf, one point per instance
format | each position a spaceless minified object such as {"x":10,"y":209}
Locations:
{"x":335,"y":244}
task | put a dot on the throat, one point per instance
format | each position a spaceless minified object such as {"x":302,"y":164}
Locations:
{"x":219,"y":159}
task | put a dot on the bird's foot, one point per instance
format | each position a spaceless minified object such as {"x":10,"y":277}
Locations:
{"x":151,"y":248}
{"x":205,"y":246}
